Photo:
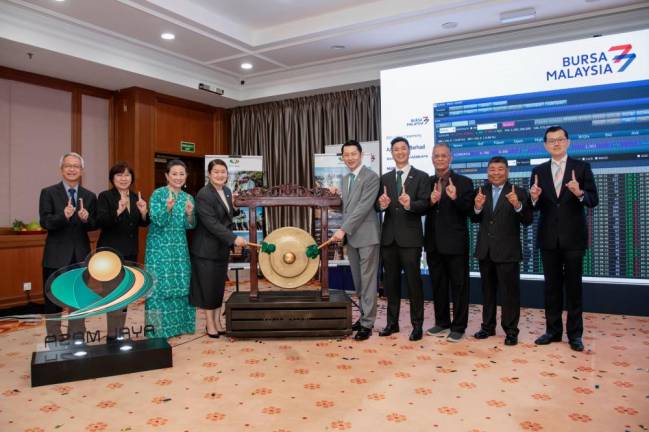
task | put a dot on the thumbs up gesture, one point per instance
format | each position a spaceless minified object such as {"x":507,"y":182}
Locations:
{"x":513,"y":198}
{"x":436,"y":194}
{"x":69,"y":209}
{"x":479,"y":200}
{"x":404,"y":199}
{"x":141,"y":204}
{"x":171,"y":201}
{"x":83,"y":213}
{"x":384,"y":199}
{"x":122,"y":203}
{"x":573,"y":186}
{"x":535,"y":190}
{"x":451,"y":191}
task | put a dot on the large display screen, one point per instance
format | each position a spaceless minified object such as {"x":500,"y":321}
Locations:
{"x":501,"y":103}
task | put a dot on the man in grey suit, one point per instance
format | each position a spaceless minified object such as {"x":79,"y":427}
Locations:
{"x":361,"y":229}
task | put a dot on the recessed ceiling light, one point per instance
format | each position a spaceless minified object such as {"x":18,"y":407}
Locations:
{"x":246,"y":66}
{"x":449,"y":25}
{"x":168,"y":36}
{"x":517,"y":15}
{"x":60,"y":1}
{"x":337,"y":47}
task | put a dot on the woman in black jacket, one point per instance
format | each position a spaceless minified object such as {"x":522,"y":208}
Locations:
{"x":211,"y":243}
{"x":120,"y":213}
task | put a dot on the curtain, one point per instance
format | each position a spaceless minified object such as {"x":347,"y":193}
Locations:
{"x":287,"y":134}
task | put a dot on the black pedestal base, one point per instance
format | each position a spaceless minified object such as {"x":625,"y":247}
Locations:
{"x":62,"y":365}
{"x":288,"y":313}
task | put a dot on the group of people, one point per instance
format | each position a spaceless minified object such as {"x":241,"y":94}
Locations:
{"x":194,"y":277}
{"x":561,"y":189}
{"x":186,"y":278}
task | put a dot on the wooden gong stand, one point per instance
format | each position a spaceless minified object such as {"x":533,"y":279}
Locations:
{"x":288,"y":195}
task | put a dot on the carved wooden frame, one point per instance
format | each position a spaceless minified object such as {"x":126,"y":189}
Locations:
{"x":288,"y":195}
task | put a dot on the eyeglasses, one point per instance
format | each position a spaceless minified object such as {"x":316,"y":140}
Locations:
{"x":556,"y":140}
{"x":78,"y":167}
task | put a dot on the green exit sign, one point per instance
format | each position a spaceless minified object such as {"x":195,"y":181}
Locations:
{"x":188,"y":147}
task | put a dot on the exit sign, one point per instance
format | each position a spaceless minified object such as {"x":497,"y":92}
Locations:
{"x":188,"y":147}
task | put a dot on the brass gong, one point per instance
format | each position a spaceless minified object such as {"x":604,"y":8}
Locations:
{"x":288,"y":266}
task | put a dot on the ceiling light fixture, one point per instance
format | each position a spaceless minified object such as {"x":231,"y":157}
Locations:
{"x":517,"y":15}
{"x":337,"y":47}
{"x":246,"y":66}
{"x":449,"y":25}
{"x":168,"y":36}
{"x":59,"y":1}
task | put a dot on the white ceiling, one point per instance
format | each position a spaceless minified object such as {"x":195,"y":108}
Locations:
{"x":116,"y":43}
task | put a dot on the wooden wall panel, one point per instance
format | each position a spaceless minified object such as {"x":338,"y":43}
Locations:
{"x":175,"y":123}
{"x":21,"y":261}
{"x":21,"y":256}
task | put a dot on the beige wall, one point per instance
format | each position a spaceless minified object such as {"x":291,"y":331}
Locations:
{"x":39,"y":132}
{"x":94,"y":142}
{"x":35,"y":130}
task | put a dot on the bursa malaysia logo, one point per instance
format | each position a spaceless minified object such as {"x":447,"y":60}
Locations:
{"x":616,"y":59}
{"x":418,"y":121}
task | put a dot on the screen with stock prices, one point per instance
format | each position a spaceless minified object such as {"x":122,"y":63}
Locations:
{"x":601,"y":102}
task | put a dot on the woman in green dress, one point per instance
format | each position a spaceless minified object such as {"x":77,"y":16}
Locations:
{"x":167,"y":255}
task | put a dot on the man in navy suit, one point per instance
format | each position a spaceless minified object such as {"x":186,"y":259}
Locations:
{"x":404,"y":199}
{"x":561,"y":190}
{"x":500,"y":208}
{"x":67,"y":212}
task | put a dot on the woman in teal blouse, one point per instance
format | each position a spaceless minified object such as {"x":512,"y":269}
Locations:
{"x":167,"y":255}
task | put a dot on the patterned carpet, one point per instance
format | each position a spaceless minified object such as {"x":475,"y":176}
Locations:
{"x":383,"y":384}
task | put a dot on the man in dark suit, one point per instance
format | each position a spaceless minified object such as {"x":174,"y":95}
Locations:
{"x":67,"y":212}
{"x":404,"y":199}
{"x":447,"y":245}
{"x":500,"y":208}
{"x":561,"y":188}
{"x":361,"y":230}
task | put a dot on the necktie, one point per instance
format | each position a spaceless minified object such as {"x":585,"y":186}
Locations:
{"x":72,"y":193}
{"x":494,"y":196}
{"x":399,"y":185}
{"x":558,"y":177}
{"x":351,"y":183}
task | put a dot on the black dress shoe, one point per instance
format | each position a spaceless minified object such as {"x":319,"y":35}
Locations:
{"x":363,"y":333}
{"x":576,"y":344}
{"x":389,"y":329}
{"x":483,"y":334}
{"x":416,"y":334}
{"x":547,"y":338}
{"x":511,"y":340}
{"x":356,"y":326}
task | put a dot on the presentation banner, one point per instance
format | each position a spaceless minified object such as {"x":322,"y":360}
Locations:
{"x":329,"y":170}
{"x":244,"y":172}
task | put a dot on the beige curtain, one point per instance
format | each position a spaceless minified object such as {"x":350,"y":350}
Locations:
{"x":287,"y":134}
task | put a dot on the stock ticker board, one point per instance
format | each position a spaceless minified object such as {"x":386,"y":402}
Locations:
{"x":608,"y":127}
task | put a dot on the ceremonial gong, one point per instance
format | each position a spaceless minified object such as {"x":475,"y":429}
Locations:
{"x":288,"y":258}
{"x":288,"y":266}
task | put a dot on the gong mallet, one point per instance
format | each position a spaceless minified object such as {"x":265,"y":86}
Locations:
{"x":313,"y":251}
{"x":268,"y":248}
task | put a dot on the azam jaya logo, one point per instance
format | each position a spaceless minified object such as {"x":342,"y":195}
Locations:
{"x":616,"y":59}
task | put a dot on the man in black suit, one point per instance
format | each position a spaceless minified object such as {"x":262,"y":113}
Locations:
{"x":447,"y":245}
{"x":404,"y":200}
{"x":500,"y":208}
{"x":67,"y":212}
{"x":561,"y":188}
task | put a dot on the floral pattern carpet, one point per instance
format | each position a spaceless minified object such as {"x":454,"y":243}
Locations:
{"x":382,"y":384}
